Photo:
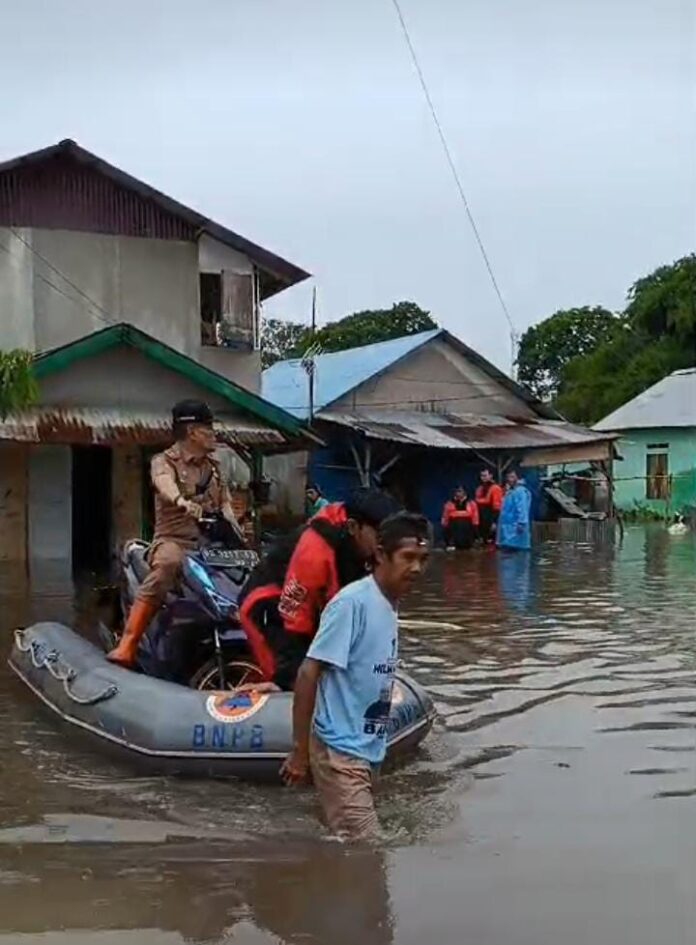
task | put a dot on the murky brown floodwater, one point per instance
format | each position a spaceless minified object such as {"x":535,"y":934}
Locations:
{"x":554,"y":805}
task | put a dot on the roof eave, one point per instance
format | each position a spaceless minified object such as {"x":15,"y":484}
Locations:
{"x":59,"y":359}
{"x":276,"y":273}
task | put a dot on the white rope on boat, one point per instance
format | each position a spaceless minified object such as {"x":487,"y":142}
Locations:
{"x":62,"y":673}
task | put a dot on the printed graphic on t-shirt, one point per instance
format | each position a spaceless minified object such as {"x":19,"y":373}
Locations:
{"x":376,"y":717}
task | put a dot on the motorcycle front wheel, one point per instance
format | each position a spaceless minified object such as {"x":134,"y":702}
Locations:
{"x":238,"y":673}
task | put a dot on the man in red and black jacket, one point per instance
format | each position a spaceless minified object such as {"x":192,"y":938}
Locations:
{"x":283,"y":600}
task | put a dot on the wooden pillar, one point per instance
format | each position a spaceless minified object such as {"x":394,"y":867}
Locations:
{"x":127,"y":495}
{"x":13,"y":504}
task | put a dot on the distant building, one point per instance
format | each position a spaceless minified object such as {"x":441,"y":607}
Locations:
{"x":130,"y":301}
{"x":657,"y":470}
{"x":418,"y":415}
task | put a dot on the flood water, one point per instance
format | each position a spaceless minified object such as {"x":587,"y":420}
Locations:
{"x":554,"y":804}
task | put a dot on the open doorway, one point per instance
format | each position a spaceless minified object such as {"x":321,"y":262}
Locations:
{"x":91,"y":509}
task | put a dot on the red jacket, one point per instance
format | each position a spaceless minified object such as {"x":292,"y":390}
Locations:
{"x":491,"y":495}
{"x":312,"y":578}
{"x":451,"y":512}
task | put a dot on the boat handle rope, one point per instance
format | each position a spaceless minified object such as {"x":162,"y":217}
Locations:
{"x":61,"y":672}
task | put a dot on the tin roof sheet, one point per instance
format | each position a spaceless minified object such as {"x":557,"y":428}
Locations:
{"x":669,"y":403}
{"x":109,"y":426}
{"x":462,"y":431}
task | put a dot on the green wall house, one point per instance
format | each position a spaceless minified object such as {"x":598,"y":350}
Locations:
{"x":657,"y":471}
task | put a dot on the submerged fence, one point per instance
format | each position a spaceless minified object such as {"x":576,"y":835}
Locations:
{"x":581,"y":530}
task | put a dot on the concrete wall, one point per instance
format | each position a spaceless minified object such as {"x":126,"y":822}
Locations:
{"x":214,"y":256}
{"x":16,"y":298}
{"x":436,"y":377}
{"x":240,"y":367}
{"x":50,"y":512}
{"x":13,"y":503}
{"x":629,"y":472}
{"x":124,"y":378}
{"x":152,"y":284}
{"x":127,"y":483}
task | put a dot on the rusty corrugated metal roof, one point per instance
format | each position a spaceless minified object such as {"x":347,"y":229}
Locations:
{"x":59,"y":187}
{"x":110,"y":426}
{"x":462,"y":431}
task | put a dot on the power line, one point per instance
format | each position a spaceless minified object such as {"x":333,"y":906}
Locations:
{"x":100,"y":311}
{"x":452,"y":165}
{"x":56,"y":288}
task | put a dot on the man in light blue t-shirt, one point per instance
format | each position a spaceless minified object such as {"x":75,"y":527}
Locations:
{"x":344,"y":687}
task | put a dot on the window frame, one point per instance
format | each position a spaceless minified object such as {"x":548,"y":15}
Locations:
{"x":658,"y":481}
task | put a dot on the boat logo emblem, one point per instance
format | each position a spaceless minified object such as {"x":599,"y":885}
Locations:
{"x":235,"y":706}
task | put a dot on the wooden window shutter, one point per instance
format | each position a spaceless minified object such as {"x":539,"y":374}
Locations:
{"x":238,"y":309}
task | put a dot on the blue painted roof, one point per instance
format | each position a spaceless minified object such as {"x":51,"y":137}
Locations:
{"x":286,"y":384}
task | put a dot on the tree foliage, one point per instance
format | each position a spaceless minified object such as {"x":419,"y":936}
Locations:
{"x":373,"y":325}
{"x":655,"y":335}
{"x":280,"y":340}
{"x":18,"y":387}
{"x":547,"y":348}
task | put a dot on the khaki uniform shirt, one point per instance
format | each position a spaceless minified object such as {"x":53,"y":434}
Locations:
{"x":187,"y":472}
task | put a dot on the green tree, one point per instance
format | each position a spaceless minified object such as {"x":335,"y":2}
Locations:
{"x":18,"y":387}
{"x":664,"y":303}
{"x":545,"y":349}
{"x":657,"y":336}
{"x":372,"y":325}
{"x":281,"y":340}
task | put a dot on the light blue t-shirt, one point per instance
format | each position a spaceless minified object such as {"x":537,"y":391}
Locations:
{"x":358,"y":639}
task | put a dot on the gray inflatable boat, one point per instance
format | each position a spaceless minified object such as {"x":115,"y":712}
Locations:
{"x":164,"y":727}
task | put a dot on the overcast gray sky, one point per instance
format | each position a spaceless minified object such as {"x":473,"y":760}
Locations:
{"x":301,"y":125}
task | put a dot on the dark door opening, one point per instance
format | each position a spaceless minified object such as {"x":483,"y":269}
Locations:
{"x":91,"y":509}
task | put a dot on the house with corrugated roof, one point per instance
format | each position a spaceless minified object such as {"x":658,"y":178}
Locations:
{"x":130,"y":301}
{"x":419,"y":415}
{"x":657,"y":470}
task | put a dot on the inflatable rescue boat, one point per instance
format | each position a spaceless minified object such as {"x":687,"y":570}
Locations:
{"x":163,"y":727}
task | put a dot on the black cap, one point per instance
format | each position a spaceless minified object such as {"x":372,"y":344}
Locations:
{"x":192,"y":411}
{"x":371,"y":506}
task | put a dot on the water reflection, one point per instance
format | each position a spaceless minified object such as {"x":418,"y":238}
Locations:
{"x":314,"y":893}
{"x":564,"y":760}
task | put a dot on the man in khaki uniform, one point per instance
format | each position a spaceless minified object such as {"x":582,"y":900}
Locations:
{"x":188,"y":484}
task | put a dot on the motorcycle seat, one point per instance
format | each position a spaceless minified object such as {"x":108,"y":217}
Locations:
{"x":137,"y":552}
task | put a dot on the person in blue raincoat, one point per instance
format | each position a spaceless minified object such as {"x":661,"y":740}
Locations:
{"x":514,"y":525}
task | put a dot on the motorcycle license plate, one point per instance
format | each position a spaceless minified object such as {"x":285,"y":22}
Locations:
{"x":227,"y":558}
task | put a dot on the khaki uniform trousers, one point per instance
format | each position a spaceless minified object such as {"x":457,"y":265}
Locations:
{"x":165,"y":559}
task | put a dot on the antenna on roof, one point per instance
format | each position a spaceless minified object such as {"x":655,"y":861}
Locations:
{"x":310,"y":355}
{"x":514,"y":345}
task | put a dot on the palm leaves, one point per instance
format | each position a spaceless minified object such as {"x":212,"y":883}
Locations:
{"x":18,"y":386}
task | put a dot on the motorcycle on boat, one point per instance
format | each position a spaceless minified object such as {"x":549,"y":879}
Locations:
{"x":196,"y":638}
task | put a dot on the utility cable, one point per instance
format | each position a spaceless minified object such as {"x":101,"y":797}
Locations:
{"x":452,"y":165}
{"x":101,"y":312}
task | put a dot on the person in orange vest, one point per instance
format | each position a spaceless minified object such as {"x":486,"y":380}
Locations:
{"x":489,"y":499}
{"x":460,"y":520}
